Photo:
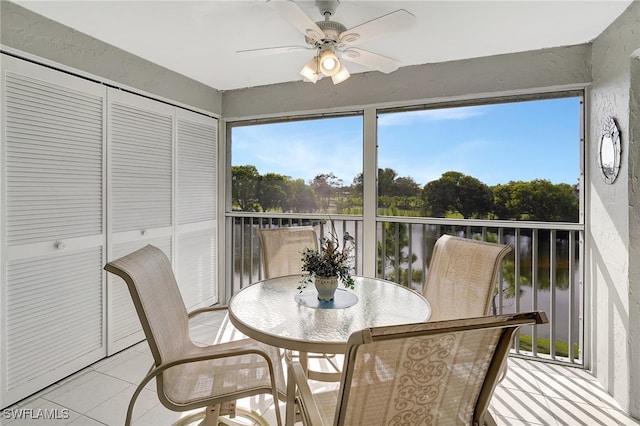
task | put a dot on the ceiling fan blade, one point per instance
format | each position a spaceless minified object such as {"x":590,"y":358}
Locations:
{"x":394,"y":21}
{"x":370,"y":60}
{"x":293,"y":14}
{"x":272,"y":50}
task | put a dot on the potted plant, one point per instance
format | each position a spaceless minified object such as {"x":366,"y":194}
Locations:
{"x":330,"y":263}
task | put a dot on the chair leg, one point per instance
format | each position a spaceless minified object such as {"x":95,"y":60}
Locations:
{"x":211,"y":416}
{"x":247,"y":414}
{"x":217,"y":415}
{"x":290,"y":404}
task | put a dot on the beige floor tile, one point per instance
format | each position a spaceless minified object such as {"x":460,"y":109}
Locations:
{"x":622,"y":418}
{"x":571,"y":413}
{"x":85,"y":421}
{"x":65,"y":384}
{"x":158,"y":415}
{"x":90,"y":393}
{"x":515,"y":404}
{"x":557,"y":369}
{"x":131,"y":368}
{"x":114,"y":410}
{"x":508,"y":421}
{"x":142,"y":347}
{"x":570,"y":388}
{"x":203,"y":334}
{"x":521,"y":379}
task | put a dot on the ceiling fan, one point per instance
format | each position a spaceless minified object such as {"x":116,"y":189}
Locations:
{"x":332,"y":41}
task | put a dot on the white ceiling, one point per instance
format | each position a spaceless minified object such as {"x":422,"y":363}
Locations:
{"x":199,"y":39}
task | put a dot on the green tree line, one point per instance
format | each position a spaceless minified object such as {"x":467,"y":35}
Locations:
{"x":454,"y":194}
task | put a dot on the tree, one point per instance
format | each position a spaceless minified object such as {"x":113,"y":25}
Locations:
{"x":244,"y":180}
{"x":455,"y":191}
{"x":324,"y":185}
{"x":303,"y":199}
{"x":536,"y":200}
{"x":394,"y":265}
{"x":392,"y":190}
{"x":357,"y":187}
{"x":473,"y":198}
{"x":386,"y":180}
{"x":405,"y":187}
{"x":273,"y":191}
{"x":503,"y":208}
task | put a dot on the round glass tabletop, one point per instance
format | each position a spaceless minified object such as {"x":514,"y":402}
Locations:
{"x":269,"y":312}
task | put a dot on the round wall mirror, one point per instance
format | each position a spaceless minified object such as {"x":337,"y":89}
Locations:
{"x":609,"y":155}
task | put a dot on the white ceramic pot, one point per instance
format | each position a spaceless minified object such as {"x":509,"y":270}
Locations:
{"x":326,"y":287}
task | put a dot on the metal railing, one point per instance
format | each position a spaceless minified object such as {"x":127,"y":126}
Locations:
{"x":542,"y":272}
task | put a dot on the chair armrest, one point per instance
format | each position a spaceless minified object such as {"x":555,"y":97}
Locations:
{"x":207,"y":309}
{"x":227,"y":353}
{"x":155,"y":371}
{"x":306,"y":401}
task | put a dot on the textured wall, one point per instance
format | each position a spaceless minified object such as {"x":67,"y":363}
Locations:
{"x":474,"y":77}
{"x":634,"y":233}
{"x":613,"y":224}
{"x":29,"y":32}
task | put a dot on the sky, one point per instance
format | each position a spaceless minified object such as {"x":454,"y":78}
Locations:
{"x":494,"y":143}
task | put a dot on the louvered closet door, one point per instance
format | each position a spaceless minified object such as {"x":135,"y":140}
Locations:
{"x":140,"y":170}
{"x":196,"y":208}
{"x":52,"y":293}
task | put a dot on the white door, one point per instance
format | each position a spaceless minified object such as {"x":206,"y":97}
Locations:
{"x":140,"y":203}
{"x":52,"y":252}
{"x":196,"y":211}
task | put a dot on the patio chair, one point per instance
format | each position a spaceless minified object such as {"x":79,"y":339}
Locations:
{"x":189,"y":376}
{"x":431,"y":373}
{"x":282,"y":248}
{"x":462,"y":277}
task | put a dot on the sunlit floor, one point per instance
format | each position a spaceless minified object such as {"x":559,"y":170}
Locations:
{"x":533,"y":393}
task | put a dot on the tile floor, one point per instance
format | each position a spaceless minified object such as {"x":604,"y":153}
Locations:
{"x":533,"y":393}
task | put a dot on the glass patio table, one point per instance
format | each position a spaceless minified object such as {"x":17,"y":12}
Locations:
{"x":273,"y":311}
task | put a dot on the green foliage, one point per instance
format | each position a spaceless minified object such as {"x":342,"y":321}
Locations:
{"x":390,"y":266}
{"x":244,"y":180}
{"x":453,"y":195}
{"x":329,"y":260}
{"x":302,"y":199}
{"x":402,"y":192}
{"x":325,"y":187}
{"x":272,"y":191}
{"x":458,"y":192}
{"x":538,"y":200}
{"x":544,"y":346}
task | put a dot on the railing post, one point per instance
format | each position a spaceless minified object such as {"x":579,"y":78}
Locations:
{"x":423,"y":232}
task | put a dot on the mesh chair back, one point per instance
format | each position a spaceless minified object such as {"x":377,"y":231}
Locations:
{"x":157,"y":300}
{"x":427,"y":373}
{"x":462,"y":277}
{"x":222,"y":373}
{"x":282,"y":249}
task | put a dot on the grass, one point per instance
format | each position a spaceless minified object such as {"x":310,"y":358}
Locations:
{"x":544,"y":346}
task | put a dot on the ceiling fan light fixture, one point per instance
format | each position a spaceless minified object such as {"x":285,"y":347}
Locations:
{"x":329,"y":63}
{"x":341,"y":75}
{"x":310,"y":71}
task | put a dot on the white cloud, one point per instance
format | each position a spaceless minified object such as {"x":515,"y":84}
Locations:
{"x":300,"y":155}
{"x":411,"y":117}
